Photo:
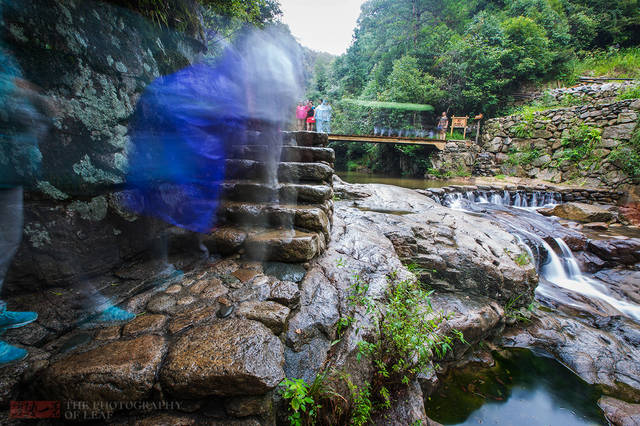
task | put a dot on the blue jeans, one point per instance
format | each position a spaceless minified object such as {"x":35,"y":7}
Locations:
{"x":11,"y":222}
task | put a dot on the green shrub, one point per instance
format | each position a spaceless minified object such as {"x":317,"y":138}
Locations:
{"x":353,"y":166}
{"x":462,"y":171}
{"x":578,"y":146}
{"x":522,"y":259}
{"x":618,"y":63}
{"x":627,"y":156}
{"x":302,"y":406}
{"x":523,"y":130}
{"x":628,"y":159}
{"x":630,"y":93}
{"x":523,"y":157}
{"x":409,"y":338}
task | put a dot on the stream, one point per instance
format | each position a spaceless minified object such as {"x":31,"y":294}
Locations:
{"x":526,"y":387}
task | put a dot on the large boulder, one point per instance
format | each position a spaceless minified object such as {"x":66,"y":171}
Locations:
{"x":453,"y":251}
{"x":91,"y":60}
{"x":620,"y":413}
{"x":580,"y":212}
{"x":616,"y":251}
{"x":231,"y":357}
{"x":118,"y":371}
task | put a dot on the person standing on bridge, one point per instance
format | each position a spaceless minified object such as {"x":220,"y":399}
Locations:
{"x":323,"y":117}
{"x":301,"y":115}
{"x":443,"y":123}
{"x":311,"y":119}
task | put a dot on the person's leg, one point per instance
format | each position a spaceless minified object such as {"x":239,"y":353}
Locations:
{"x":10,"y":229}
{"x":319,"y":126}
{"x":11,"y":222}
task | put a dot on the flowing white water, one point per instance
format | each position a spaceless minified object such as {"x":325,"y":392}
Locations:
{"x":562,"y":270}
{"x":520,"y":199}
{"x":565,"y":272}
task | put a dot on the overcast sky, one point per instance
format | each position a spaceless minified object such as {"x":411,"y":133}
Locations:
{"x":323,"y":25}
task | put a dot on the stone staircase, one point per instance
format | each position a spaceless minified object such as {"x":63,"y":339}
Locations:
{"x":286,"y":221}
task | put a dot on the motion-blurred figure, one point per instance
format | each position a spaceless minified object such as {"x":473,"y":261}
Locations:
{"x":188,"y":122}
{"x":21,"y":125}
{"x":323,"y":117}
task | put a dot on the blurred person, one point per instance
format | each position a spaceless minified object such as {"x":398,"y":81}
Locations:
{"x":301,"y":115}
{"x":21,"y":125}
{"x":323,"y":117}
{"x":311,"y":120}
{"x":185,"y":124}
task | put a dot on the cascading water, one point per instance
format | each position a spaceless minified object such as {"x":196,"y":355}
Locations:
{"x":564,"y":272}
{"x":560,"y":274}
{"x":457,"y":200}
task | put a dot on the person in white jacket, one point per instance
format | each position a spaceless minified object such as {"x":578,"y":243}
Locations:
{"x":323,"y":117}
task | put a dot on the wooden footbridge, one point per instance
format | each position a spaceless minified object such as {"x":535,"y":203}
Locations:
{"x":437,"y":143}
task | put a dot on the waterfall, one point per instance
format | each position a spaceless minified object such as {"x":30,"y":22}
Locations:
{"x":563,"y":271}
{"x":519,"y":199}
{"x":557,"y":271}
{"x":517,"y":202}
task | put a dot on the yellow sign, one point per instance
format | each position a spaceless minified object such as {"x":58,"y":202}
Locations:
{"x":459,"y":122}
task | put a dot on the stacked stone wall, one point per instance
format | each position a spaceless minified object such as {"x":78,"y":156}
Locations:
{"x":457,"y":158}
{"x":585,"y":93}
{"x":544,"y":133}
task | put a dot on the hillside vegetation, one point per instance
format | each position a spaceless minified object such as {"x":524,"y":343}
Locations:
{"x":469,"y":55}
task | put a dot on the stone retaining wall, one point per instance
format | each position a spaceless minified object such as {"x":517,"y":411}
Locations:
{"x":457,"y":159}
{"x":586,"y":93}
{"x":545,"y":133}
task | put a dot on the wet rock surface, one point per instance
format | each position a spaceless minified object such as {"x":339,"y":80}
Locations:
{"x":581,"y":212}
{"x":284,"y":321}
{"x":233,"y":357}
{"x":118,"y":371}
{"x":456,"y":251}
{"x":620,"y":413}
{"x":603,"y":351}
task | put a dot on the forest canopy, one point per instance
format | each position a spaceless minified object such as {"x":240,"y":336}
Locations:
{"x":469,"y":55}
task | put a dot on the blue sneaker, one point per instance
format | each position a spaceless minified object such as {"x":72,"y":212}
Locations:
{"x":9,"y":353}
{"x":113,"y":314}
{"x":11,"y":319}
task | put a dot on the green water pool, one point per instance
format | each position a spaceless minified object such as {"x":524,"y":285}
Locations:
{"x":521,"y":389}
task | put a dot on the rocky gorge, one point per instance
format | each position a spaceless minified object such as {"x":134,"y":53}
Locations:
{"x":300,"y":280}
{"x":288,"y":319}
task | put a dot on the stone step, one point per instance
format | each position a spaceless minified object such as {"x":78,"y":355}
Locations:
{"x":305,"y":139}
{"x":241,"y":190}
{"x":301,"y":154}
{"x":293,"y":172}
{"x":284,"y":245}
{"x":307,"y":217}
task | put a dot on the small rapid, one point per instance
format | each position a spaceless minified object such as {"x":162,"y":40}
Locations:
{"x":561,"y":278}
{"x":563,"y":271}
{"x":534,"y":199}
